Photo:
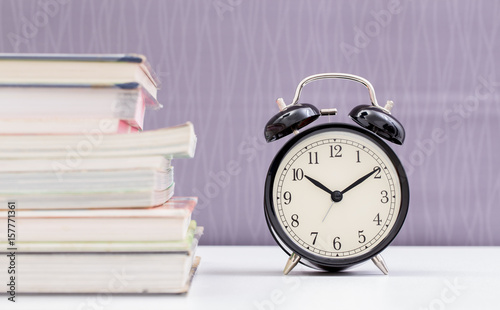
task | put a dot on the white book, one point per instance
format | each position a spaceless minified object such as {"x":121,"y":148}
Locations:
{"x":159,"y":269}
{"x":73,"y":69}
{"x":65,"y":126}
{"x":84,"y":164}
{"x":96,"y":181}
{"x":92,"y":200}
{"x":53,"y":109}
{"x":172,"y":142}
{"x":126,"y":182}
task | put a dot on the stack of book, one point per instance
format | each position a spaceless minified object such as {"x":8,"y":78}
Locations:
{"x":86,"y":196}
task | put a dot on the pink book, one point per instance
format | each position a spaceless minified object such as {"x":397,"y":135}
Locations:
{"x":166,"y":222}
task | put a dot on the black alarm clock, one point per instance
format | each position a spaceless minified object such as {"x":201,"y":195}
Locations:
{"x":336,"y":194}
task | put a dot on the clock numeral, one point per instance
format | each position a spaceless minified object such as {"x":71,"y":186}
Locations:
{"x":288,"y":197}
{"x":298,"y":174}
{"x":295,"y":220}
{"x":357,"y":154}
{"x":336,"y":243}
{"x":361,"y":237}
{"x":377,"y":219}
{"x":384,"y":198}
{"x":377,"y":174}
{"x":315,"y":233}
{"x":337,"y":148}
{"x":313,"y":158}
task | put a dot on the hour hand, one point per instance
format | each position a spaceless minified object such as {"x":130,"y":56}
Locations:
{"x":318,"y":184}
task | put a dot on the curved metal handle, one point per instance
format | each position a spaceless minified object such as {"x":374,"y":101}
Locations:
{"x":345,"y":76}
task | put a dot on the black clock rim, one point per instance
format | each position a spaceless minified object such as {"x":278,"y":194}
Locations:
{"x":308,"y":258}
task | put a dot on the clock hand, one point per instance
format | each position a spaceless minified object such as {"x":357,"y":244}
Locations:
{"x":318,"y":184}
{"x":328,"y":211}
{"x":360,"y":180}
{"x":337,"y":196}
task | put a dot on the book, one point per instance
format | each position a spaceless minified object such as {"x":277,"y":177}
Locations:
{"x":84,"y":164}
{"x":125,"y":182}
{"x":167,"y":222}
{"x":65,"y":126}
{"x":90,"y":194}
{"x":58,"y":108}
{"x":96,"y":181}
{"x":174,"y":142}
{"x":90,"y":200}
{"x":77,"y":69}
{"x":148,"y":267}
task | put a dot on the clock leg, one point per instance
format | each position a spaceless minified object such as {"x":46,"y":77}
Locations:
{"x":380,"y":263}
{"x":291,"y":263}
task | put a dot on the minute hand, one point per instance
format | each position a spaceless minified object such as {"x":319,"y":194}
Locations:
{"x":360,"y":180}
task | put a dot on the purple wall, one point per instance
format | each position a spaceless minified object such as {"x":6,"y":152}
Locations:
{"x":224,"y":62}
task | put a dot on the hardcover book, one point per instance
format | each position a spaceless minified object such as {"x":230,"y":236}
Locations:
{"x":77,"y":69}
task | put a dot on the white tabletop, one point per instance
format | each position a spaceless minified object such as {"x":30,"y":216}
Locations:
{"x":251,"y":278}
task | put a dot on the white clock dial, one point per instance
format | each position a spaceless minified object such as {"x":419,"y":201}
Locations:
{"x":336,"y":194}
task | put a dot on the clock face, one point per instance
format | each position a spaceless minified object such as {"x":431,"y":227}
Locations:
{"x":337,"y":193}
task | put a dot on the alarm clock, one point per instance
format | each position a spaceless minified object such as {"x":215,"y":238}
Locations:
{"x":335,"y":194}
